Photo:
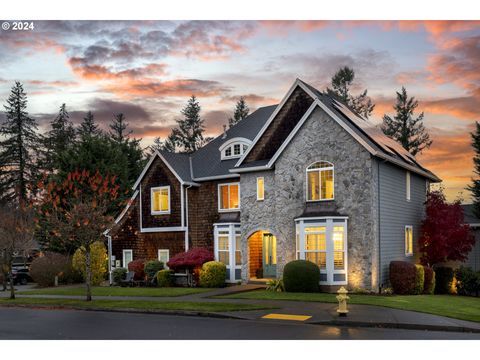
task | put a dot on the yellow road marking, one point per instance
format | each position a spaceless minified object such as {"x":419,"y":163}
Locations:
{"x":286,"y":317}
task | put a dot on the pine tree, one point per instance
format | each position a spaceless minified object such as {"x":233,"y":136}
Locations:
{"x":409,"y":132}
{"x":240,"y":113}
{"x":475,"y":186}
{"x":57,"y":139}
{"x":164,"y":145}
{"x":341,"y":83}
{"x":19,"y":143}
{"x":189,"y":133}
{"x":118,"y":127}
{"x":88,"y":128}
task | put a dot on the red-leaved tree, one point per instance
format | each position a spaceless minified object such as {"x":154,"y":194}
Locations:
{"x":444,"y":236}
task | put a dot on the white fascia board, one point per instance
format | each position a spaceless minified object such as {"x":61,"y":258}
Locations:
{"x":163,"y":229}
{"x":249,"y":169}
{"x":145,"y":169}
{"x":320,"y":218}
{"x":217,"y":177}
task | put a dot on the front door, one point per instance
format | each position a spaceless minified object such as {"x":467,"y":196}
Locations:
{"x":269,"y":256}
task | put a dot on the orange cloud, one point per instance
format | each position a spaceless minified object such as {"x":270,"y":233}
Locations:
{"x":251,"y":99}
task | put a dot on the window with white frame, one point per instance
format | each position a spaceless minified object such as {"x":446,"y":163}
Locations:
{"x":320,"y":182}
{"x":408,"y":240}
{"x":224,"y":247}
{"x":164,"y":256}
{"x":238,"y":248}
{"x":160,"y":200}
{"x":408,"y":185}
{"x":316,"y":246}
{"x":229,"y":197}
{"x":260,"y":188}
{"x":234,"y":148}
{"x":127,"y":257}
{"x":227,"y":248}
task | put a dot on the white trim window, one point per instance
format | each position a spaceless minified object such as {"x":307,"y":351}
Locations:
{"x":260,"y":188}
{"x":408,"y":240}
{"x":228,"y":249}
{"x":320,"y":181}
{"x":164,"y":256}
{"x":127,"y":257}
{"x":160,"y":200}
{"x":234,"y":148}
{"x":408,"y":185}
{"x":229,"y":197}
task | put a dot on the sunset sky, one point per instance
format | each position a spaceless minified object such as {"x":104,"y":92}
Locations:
{"x":148,"y":69}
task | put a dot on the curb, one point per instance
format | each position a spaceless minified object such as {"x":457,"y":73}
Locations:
{"x":405,"y":326}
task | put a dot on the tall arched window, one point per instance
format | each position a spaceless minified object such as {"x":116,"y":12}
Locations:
{"x":320,"y":181}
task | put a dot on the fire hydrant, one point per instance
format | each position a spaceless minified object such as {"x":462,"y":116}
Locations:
{"x":342,"y":298}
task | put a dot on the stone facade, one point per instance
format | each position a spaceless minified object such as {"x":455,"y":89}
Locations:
{"x":320,"y":138}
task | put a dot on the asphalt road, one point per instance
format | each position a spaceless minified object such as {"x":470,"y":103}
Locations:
{"x":32,"y":324}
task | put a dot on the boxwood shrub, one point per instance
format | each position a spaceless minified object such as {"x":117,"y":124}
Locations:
{"x":152,"y":267}
{"x":213,"y":274}
{"x":443,"y":279}
{"x":468,"y":281}
{"x":301,"y":276}
{"x":118,"y":275}
{"x":402,"y":277}
{"x":164,"y":278}
{"x":429,"y":284}
{"x":419,"y":279}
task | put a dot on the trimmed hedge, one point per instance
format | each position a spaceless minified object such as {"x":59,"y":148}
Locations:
{"x":137,"y":267}
{"x":468,"y":281}
{"x":164,"y":278}
{"x":152,"y":267}
{"x":419,"y":279}
{"x":443,"y":279}
{"x":429,"y":284}
{"x":118,"y":275}
{"x":402,"y":277}
{"x":301,"y":276}
{"x":213,"y":274}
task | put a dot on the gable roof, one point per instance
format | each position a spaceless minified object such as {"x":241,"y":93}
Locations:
{"x":469,"y":216}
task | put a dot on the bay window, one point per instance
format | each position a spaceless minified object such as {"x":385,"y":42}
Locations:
{"x":320,"y":182}
{"x":227,"y":248}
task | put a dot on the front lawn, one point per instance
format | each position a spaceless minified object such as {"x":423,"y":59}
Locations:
{"x":458,"y":307}
{"x":134,"y":304}
{"x":117,"y":291}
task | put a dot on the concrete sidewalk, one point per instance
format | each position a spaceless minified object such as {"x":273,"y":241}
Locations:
{"x":318,"y":313}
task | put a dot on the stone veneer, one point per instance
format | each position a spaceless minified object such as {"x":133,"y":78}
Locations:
{"x":320,"y":138}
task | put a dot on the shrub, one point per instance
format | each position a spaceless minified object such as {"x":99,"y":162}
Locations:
{"x":275,"y":285}
{"x":118,"y":275}
{"x":301,"y":276}
{"x":387,"y":291}
{"x":468,"y":281}
{"x":402,"y":277}
{"x":419,"y":279}
{"x":164,"y":278}
{"x":44,"y":269}
{"x":429,"y":284}
{"x":213,"y":274}
{"x":98,"y":254}
{"x":443,"y":279}
{"x":152,"y":267}
{"x":137,"y":267}
{"x":193,"y":258}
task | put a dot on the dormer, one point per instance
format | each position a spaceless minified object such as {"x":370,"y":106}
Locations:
{"x":234,"y":148}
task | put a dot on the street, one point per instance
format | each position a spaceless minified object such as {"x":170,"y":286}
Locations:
{"x":31,"y":324}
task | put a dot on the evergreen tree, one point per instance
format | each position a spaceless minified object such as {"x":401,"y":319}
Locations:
{"x":168,"y":144}
{"x":240,"y":113}
{"x":475,"y":186}
{"x":189,"y":133}
{"x":341,"y":83}
{"x":88,"y":127}
{"x":57,"y":139}
{"x":119,"y":127}
{"x":409,"y":132}
{"x":19,"y":143}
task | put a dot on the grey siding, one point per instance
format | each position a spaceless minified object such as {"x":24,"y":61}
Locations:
{"x":395,"y":211}
{"x":474,"y":256}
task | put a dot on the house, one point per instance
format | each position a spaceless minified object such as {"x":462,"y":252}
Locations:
{"x":304,"y":179}
{"x":473,"y":221}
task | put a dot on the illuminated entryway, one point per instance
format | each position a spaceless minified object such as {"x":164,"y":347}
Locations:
{"x":262,"y":255}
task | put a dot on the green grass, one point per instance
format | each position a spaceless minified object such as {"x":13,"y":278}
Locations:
{"x":134,"y":304}
{"x":458,"y":307}
{"x":116,"y":291}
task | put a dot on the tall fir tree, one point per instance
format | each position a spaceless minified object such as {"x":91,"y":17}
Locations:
{"x":405,"y":129}
{"x":188,"y":135}
{"x":119,"y":127}
{"x":56,"y":141}
{"x":240,"y":113}
{"x":474,"y":187}
{"x":19,"y":144}
{"x":341,"y":84}
{"x":88,"y":128}
{"x":164,"y":145}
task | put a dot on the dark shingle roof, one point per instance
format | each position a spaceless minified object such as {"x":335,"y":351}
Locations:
{"x":180,"y":163}
{"x":468,"y":215}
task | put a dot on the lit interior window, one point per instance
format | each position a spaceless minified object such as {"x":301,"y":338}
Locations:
{"x":320,"y":181}
{"x":408,"y":240}
{"x":260,"y":188}
{"x":338,"y":248}
{"x":229,"y":197}
{"x":161,"y":199}
{"x":223,"y":248}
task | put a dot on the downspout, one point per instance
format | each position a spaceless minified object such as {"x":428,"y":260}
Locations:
{"x":110,"y":265}
{"x":380,"y":284}
{"x":186,"y":217}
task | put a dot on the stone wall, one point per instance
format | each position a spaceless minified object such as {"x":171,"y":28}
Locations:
{"x":320,"y":138}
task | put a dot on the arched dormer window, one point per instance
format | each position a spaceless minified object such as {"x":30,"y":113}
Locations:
{"x":320,"y":181}
{"x":234,"y":148}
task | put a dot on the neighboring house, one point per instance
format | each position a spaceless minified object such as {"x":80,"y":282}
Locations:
{"x":304,"y":179}
{"x":473,"y":260}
